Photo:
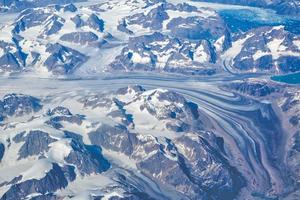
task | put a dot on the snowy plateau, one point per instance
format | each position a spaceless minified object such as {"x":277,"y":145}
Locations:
{"x":149,"y":100}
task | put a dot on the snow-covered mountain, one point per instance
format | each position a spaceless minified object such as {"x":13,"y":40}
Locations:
{"x":267,"y":49}
{"x":19,"y":5}
{"x":157,"y":131}
{"x":158,"y":52}
{"x":34,"y":42}
{"x":149,"y":100}
{"x":32,"y":35}
{"x":137,"y":143}
{"x":173,"y":37}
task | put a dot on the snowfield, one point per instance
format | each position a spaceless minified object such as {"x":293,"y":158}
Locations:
{"x":145,"y":99}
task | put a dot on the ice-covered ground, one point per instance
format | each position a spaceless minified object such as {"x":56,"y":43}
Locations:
{"x":234,"y":118}
{"x":115,"y":11}
{"x":251,"y":129}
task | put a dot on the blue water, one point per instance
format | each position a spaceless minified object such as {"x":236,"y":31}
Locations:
{"x":290,"y":78}
{"x":246,"y":19}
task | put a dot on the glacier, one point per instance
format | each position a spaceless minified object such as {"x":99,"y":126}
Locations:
{"x":149,"y":99}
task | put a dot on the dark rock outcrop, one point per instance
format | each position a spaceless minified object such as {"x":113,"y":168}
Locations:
{"x":18,"y":105}
{"x":35,"y":143}
{"x":56,"y":178}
